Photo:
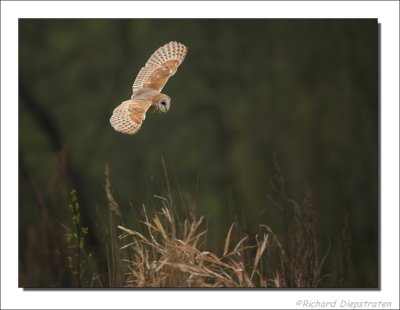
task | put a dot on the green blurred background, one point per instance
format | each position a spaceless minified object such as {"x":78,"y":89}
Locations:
{"x":304,"y":90}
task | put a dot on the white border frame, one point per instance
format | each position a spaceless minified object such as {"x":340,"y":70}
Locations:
{"x":14,"y":297}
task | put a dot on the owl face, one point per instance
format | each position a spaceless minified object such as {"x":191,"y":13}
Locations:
{"x":163,"y":104}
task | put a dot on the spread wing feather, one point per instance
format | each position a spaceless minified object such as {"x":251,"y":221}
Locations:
{"x":161,"y":65}
{"x":129,"y":115}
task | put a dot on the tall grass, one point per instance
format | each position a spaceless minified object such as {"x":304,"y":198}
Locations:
{"x":172,"y":251}
{"x":166,"y":256}
{"x":299,"y":259}
{"x":170,"y":247}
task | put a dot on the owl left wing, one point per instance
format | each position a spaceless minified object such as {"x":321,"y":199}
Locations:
{"x":129,"y":115}
{"x":160,"y":67}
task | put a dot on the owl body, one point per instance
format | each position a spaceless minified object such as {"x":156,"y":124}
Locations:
{"x":130,"y":114}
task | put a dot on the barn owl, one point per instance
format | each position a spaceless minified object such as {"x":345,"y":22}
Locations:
{"x":146,"y":90}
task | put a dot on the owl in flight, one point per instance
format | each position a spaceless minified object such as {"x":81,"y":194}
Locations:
{"x":129,"y":115}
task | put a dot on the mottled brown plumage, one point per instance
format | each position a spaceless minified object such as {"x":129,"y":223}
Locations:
{"x":163,"y":63}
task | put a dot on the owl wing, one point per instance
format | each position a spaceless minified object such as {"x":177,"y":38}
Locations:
{"x":129,"y":115}
{"x":160,"y":67}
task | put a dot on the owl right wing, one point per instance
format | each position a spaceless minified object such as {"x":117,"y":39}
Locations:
{"x":161,"y":65}
{"x":129,"y":115}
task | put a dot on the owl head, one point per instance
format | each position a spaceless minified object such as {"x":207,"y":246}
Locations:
{"x":163,"y":103}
